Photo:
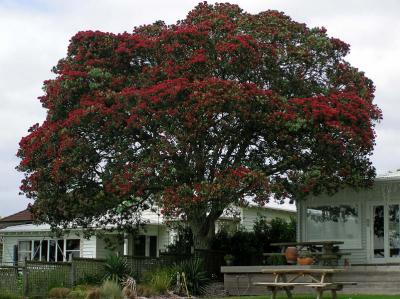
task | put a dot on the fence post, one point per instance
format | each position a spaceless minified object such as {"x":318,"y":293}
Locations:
{"x":73,"y":272}
{"x":26,"y":281}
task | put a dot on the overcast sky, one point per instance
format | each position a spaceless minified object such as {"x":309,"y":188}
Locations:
{"x":34,"y":34}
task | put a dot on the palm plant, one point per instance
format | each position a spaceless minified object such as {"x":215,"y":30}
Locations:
{"x":196,"y":278}
{"x":116,"y":268}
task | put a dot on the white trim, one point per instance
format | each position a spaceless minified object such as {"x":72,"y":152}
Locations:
{"x":126,"y":244}
{"x":147,"y":246}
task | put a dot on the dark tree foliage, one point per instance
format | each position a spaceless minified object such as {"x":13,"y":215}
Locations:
{"x":184,"y":242}
{"x":247,"y":247}
{"x":221,"y":107}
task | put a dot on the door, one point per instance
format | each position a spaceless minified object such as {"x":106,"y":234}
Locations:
{"x":385,"y":233}
{"x":139,"y":245}
{"x":153,"y":246}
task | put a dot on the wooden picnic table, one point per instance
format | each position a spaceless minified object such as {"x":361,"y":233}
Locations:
{"x":320,"y":279}
{"x":325,"y":251}
{"x":327,"y":246}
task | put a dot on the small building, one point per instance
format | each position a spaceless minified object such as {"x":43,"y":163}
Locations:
{"x":35,"y":242}
{"x":367,"y":221}
{"x":22,"y":217}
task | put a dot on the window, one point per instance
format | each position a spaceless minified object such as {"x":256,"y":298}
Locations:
{"x":48,"y":250}
{"x":60,"y":250}
{"x":24,"y":250}
{"x":338,"y":223}
{"x":36,"y":250}
{"x":72,"y":248}
{"x":44,"y":250}
{"x":52,"y":251}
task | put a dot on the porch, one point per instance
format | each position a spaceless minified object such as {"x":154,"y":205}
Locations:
{"x":37,"y":243}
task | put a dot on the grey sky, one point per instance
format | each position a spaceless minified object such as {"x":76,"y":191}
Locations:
{"x":34,"y":35}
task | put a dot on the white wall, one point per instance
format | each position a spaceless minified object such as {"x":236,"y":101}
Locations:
{"x":102,"y":250}
{"x":88,"y":247}
{"x":250,"y":214}
{"x":382,"y":192}
{"x":8,"y":249}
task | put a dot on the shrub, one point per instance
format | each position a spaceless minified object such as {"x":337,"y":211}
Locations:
{"x":196,"y":277}
{"x":160,"y":279}
{"x":279,"y":230}
{"x":9,"y":296}
{"x":184,"y":242}
{"x":116,"y":268}
{"x":110,"y":290}
{"x":276,"y":260}
{"x":77,"y":294}
{"x":90,"y":279}
{"x":94,"y":294}
{"x":59,"y":293}
{"x":81,"y":292}
{"x":248,"y":246}
{"x":145,"y":290}
{"x":157,"y":282}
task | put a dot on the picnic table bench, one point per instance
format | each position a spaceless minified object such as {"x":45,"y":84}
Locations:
{"x":318,"y":279}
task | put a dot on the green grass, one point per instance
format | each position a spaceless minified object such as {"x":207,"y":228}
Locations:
{"x":326,"y":295}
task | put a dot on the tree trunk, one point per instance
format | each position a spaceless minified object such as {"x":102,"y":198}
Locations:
{"x":203,"y":232}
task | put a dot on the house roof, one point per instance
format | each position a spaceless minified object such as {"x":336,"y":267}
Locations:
{"x":150,"y":217}
{"x":22,"y":216}
{"x":274,"y":205}
{"x":26,"y":228}
{"x":285,"y":206}
{"x":389,"y":176}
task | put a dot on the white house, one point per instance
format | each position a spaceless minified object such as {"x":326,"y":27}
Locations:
{"x":367,"y":221}
{"x":34,"y":242}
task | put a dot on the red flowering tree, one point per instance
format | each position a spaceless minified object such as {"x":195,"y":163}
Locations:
{"x":220,"y":108}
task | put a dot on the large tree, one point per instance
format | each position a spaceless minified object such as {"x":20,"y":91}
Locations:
{"x":218,"y":109}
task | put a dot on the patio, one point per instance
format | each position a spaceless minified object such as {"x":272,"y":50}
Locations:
{"x":371,"y":279}
{"x":347,"y":296}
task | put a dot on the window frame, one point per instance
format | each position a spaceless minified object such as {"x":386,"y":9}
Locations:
{"x":29,"y":252}
{"x":71,"y":251}
{"x":58,"y":248}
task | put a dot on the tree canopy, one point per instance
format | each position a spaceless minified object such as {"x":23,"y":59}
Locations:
{"x":222,"y":107}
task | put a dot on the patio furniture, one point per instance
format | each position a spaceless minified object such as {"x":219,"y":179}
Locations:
{"x":318,"y":279}
{"x":327,"y":253}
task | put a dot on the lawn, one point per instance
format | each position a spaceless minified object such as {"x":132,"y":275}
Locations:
{"x":327,"y":296}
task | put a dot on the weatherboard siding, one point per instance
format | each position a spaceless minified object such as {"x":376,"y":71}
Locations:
{"x":103,"y":248}
{"x":88,"y":247}
{"x":249,"y":215}
{"x":8,"y":249}
{"x":164,"y":239}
